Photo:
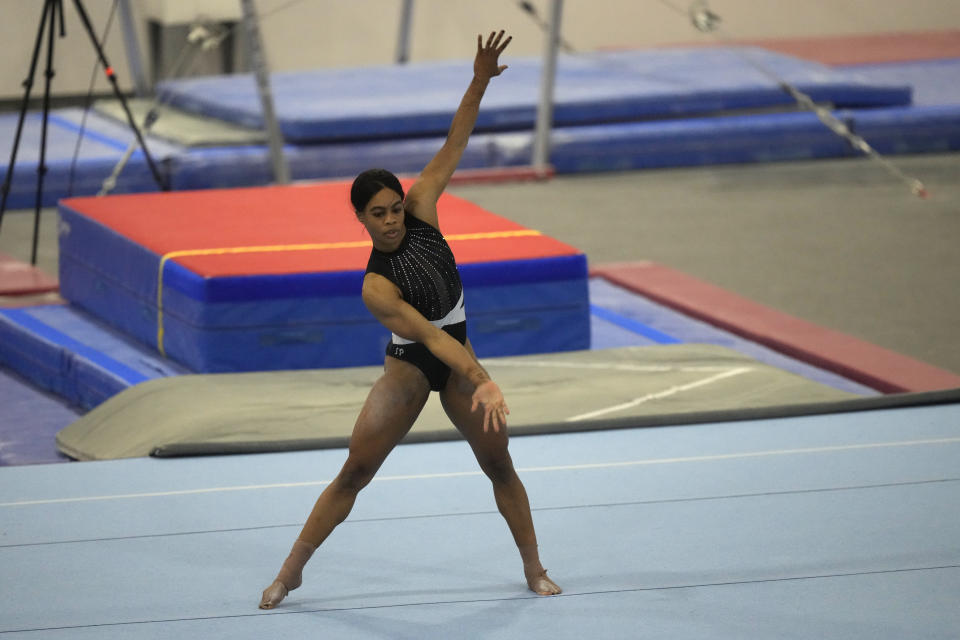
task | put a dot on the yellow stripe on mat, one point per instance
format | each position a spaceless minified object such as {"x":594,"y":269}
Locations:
{"x":297,"y":247}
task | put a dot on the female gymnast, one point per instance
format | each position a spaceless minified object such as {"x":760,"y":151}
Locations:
{"x":412,"y":287}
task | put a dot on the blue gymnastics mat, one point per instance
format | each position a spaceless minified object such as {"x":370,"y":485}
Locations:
{"x":208,"y":280}
{"x":63,"y":350}
{"x":697,"y":124}
{"x":419,"y":99}
{"x":606,"y":147}
{"x":102,"y":145}
{"x":819,"y":527}
{"x":224,"y":167}
{"x":930,"y":123}
{"x":934,"y":82}
{"x":31,"y":419}
{"x":694,"y":142}
{"x":701,"y":138}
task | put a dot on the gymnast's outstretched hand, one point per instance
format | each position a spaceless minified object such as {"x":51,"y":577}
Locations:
{"x":486,"y":65}
{"x":495,"y":408}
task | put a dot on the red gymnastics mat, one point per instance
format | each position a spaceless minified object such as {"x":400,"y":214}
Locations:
{"x":283,"y":230}
{"x":831,"y":350}
{"x":269,"y":278}
{"x":862,"y":48}
{"x":21,"y":279}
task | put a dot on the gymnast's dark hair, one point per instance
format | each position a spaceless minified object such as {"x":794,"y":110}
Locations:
{"x":370,"y":183}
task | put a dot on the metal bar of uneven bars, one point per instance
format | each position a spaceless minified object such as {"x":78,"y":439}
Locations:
{"x":402,"y":55}
{"x":132,"y":45}
{"x":281,"y":172}
{"x":541,"y":139}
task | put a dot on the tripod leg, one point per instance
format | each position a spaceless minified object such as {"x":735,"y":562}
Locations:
{"x":160,"y":180}
{"x":27,"y":87}
{"x":42,"y":165}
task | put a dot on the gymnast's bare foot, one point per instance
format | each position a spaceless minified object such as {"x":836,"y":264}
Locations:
{"x":539,"y":583}
{"x":273,"y":595}
{"x":290,"y":576}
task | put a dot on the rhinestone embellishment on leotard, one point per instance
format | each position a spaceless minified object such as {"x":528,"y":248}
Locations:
{"x":426,"y":272}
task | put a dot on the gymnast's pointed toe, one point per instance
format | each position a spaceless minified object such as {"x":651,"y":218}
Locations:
{"x":273,"y":595}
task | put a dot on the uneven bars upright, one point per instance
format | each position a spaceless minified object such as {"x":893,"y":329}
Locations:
{"x":541,"y":139}
{"x":402,"y":55}
{"x":281,"y":172}
{"x":132,"y":44}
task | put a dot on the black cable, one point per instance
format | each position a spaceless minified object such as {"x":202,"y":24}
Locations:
{"x":88,"y":100}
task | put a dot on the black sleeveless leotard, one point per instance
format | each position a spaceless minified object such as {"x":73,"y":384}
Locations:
{"x":424,"y":269}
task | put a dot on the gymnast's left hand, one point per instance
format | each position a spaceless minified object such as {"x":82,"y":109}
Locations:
{"x":495,"y":408}
{"x":486,"y":64}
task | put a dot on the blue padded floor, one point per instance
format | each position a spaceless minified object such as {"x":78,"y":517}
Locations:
{"x":31,"y":419}
{"x":620,"y":318}
{"x":838,"y":526}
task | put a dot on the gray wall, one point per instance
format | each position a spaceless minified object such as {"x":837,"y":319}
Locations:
{"x":341,"y":33}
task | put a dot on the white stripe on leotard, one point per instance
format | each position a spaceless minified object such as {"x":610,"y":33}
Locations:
{"x":457,"y":314}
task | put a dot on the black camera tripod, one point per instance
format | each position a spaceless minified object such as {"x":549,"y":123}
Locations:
{"x":52,"y":15}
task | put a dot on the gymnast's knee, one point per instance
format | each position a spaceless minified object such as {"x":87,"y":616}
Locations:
{"x":498,"y":467}
{"x":354,"y":476}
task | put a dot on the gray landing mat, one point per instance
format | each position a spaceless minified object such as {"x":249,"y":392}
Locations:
{"x":572,"y":391}
{"x":181,"y":127}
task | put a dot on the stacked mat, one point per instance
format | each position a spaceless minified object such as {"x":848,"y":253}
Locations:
{"x":269,"y":278}
{"x":930,"y":123}
{"x":591,"y":88}
{"x":71,"y":354}
{"x":81,"y":152}
{"x":613,"y":111}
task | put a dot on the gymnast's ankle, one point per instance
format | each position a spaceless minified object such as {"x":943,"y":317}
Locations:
{"x":290,"y":575}
{"x":534,"y":572}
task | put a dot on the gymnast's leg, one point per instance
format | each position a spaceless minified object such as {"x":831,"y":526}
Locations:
{"x":391,"y":408}
{"x":491,"y":451}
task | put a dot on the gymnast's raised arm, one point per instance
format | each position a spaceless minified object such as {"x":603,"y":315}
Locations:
{"x":421,"y":200}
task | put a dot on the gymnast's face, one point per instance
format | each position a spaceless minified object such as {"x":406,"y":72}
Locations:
{"x":383,"y":218}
